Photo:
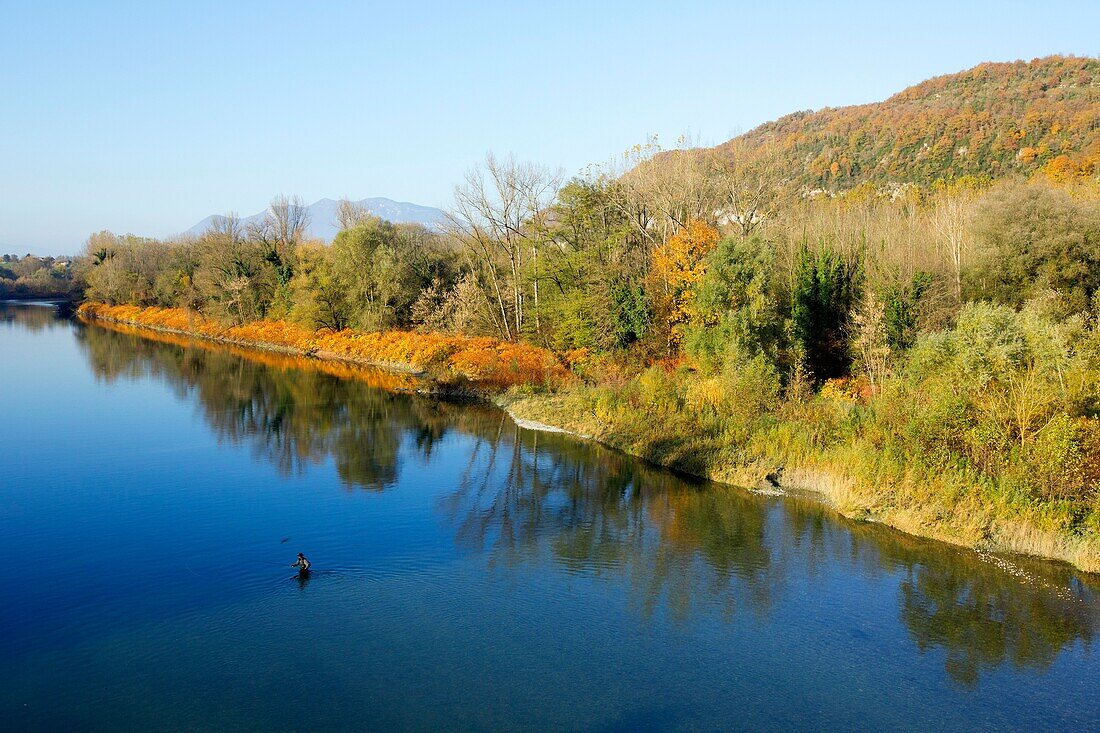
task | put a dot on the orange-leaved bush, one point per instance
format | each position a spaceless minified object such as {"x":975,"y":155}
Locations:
{"x":483,"y":361}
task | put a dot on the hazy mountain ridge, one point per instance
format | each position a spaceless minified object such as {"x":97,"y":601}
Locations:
{"x":322,"y":216}
{"x":993,"y":120}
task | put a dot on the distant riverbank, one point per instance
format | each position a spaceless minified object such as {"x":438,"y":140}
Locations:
{"x":790,"y":451}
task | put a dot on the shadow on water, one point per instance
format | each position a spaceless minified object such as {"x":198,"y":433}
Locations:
{"x":524,"y":497}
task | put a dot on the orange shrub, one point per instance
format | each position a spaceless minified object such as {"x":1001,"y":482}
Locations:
{"x":373,"y":376}
{"x":483,"y":361}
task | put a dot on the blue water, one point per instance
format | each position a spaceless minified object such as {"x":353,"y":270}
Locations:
{"x":469,"y":574}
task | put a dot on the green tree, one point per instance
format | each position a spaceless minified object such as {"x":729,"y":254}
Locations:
{"x":382,"y":269}
{"x":589,"y":269}
{"x":824,"y":288}
{"x":737,"y":317}
{"x":1034,"y":238}
{"x":319,"y":297}
{"x":901,"y":310}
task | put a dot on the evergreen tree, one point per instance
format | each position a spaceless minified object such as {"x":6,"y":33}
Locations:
{"x":825,"y":286}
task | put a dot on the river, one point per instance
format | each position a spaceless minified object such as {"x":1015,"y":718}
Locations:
{"x":468,"y":574}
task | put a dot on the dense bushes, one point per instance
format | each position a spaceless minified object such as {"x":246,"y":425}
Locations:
{"x":737,"y":317}
{"x":484,"y":362}
{"x":1034,"y":239}
{"x":1013,"y":393}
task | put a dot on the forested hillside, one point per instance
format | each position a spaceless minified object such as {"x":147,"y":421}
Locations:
{"x":991,"y":121}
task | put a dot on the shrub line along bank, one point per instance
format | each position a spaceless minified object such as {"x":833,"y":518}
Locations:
{"x":456,"y":364}
{"x":490,"y":368}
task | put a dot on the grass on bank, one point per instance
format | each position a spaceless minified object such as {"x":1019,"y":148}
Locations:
{"x":860,"y":453}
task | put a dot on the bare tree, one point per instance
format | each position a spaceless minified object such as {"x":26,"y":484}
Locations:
{"x":499,"y":216}
{"x":280,"y":230}
{"x":227,"y":227}
{"x":869,"y":341}
{"x":289,"y":218}
{"x":660,"y":191}
{"x":350,"y":214}
{"x":951,"y":217}
{"x":746,"y":187}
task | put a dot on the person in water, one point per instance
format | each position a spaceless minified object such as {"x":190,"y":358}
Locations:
{"x":302,"y":564}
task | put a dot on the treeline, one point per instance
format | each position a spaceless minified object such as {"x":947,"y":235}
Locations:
{"x":681,"y":257}
{"x":38,"y":277}
{"x":369,"y":278}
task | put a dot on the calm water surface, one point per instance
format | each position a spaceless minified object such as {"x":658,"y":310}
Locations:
{"x":469,"y":574}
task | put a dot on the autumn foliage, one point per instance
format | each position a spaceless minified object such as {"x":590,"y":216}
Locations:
{"x":483,"y":362}
{"x":388,"y":379}
{"x":677,"y":267}
{"x":997,"y":119}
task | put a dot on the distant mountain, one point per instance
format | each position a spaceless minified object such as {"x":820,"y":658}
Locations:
{"x":322,"y":215}
{"x":993,"y":120}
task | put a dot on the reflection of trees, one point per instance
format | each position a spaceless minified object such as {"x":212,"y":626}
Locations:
{"x":291,"y":418}
{"x":525,"y":497}
{"x":32,"y":317}
{"x":979,"y":614}
{"x":526,"y":494}
{"x":983,"y":620}
{"x":983,"y":617}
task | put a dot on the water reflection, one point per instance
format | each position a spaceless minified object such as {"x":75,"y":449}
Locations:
{"x":981,"y":611}
{"x":523,"y":497}
{"x":293,"y":412}
{"x":31,"y":316}
{"x":983,"y":621}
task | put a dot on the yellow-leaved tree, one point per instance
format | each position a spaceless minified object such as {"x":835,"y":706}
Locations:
{"x":677,"y":267}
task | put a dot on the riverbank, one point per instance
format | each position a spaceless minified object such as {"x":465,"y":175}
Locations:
{"x":863,"y":475}
{"x":824,"y":443}
{"x":376,"y":377}
{"x":453,"y":364}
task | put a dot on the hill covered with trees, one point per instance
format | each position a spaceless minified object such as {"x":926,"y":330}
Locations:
{"x":991,"y":121}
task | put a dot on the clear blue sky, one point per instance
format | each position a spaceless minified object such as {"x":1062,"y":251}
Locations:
{"x":147,"y":116}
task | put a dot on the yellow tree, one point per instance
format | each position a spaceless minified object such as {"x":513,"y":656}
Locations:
{"x":677,"y":267}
